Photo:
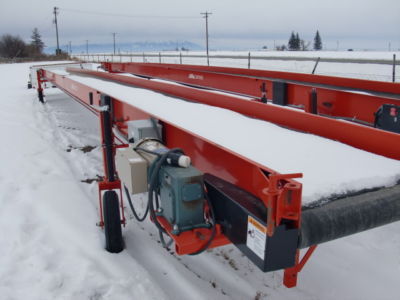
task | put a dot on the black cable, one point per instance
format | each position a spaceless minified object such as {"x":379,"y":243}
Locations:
{"x":139,"y":219}
{"x":162,"y":240}
{"x":135,"y":214}
{"x":119,"y":15}
{"x":161,"y":234}
{"x":147,"y":151}
{"x":150,"y":207}
{"x":214,"y":230}
{"x":151,"y":190}
{"x":157,"y":199}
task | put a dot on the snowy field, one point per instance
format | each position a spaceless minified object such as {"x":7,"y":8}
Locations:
{"x":51,"y":248}
{"x":380,"y":72}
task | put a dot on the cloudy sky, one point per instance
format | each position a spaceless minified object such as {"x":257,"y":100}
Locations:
{"x":250,"y":24}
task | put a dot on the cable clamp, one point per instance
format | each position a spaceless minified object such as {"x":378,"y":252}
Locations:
{"x":100,"y":108}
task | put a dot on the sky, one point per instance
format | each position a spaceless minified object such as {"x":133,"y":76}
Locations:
{"x":234,"y":25}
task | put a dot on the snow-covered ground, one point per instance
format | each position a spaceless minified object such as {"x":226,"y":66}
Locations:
{"x":50,"y":247}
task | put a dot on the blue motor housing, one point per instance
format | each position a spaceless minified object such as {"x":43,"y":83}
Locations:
{"x":182,"y":197}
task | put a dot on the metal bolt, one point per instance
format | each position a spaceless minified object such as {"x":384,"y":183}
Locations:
{"x":176,"y":228}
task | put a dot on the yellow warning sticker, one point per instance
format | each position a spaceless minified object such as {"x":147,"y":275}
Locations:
{"x":256,"y":237}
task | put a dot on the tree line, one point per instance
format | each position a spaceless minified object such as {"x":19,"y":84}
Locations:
{"x":13,"y":47}
{"x":297,"y":44}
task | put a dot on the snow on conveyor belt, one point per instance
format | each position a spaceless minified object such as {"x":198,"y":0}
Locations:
{"x":329,"y":167}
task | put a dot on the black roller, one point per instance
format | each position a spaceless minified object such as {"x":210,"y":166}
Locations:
{"x":350,"y":215}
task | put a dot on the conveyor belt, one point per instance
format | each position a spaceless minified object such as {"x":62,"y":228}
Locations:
{"x":350,"y":215}
{"x":329,"y":167}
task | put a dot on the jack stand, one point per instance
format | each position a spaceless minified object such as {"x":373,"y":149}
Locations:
{"x":111,"y":205}
{"x":40,"y":88}
{"x":290,"y":275}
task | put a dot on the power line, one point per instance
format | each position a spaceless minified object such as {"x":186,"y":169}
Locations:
{"x":206,"y":14}
{"x":125,"y":15}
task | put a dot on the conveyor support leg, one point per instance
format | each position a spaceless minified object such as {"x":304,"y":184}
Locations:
{"x":290,"y":275}
{"x":40,"y":88}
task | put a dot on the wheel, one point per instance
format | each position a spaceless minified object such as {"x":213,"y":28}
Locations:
{"x":112,"y":222}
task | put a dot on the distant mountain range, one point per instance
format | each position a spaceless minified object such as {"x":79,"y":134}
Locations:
{"x":130,"y":47}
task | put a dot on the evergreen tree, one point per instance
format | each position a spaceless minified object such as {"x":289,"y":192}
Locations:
{"x":292,"y":41}
{"x":36,"y":43}
{"x":297,"y":42}
{"x":317,"y":41}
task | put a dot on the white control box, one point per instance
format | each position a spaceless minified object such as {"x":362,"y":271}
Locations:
{"x":132,"y":170}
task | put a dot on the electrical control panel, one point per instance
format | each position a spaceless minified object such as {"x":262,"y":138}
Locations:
{"x":132,"y":170}
{"x":141,"y":129}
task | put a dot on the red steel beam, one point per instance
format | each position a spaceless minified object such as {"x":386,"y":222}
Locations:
{"x":350,"y":83}
{"x":362,"y":137}
{"x":332,"y":101}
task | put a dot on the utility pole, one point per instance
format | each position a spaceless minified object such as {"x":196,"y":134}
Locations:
{"x":87,"y":48}
{"x":58,"y":51}
{"x":206,"y":14}
{"x":70,"y":47}
{"x":114,"y":33}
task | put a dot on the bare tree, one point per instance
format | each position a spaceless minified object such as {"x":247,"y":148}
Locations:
{"x":304,"y":45}
{"x":12,"y":46}
{"x":280,"y":47}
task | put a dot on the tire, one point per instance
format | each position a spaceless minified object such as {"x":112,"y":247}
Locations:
{"x":112,"y":222}
{"x":40,"y":96}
